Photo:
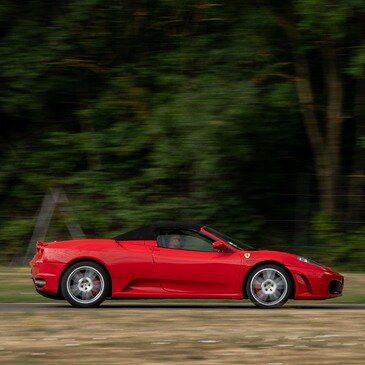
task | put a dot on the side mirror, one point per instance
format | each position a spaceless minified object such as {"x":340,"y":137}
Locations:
{"x":220,"y":246}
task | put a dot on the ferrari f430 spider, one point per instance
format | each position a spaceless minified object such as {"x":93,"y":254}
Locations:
{"x":176,"y":260}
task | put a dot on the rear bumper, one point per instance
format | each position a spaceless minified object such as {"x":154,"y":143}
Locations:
{"x":317,"y":284}
{"x":50,"y":295}
{"x":49,"y":273}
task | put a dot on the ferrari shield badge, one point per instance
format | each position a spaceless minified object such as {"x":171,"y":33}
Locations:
{"x":247,"y":255}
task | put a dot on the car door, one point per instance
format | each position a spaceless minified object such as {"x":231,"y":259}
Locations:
{"x":195,"y":267}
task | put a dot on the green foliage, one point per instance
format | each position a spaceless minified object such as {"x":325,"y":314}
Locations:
{"x":14,"y":232}
{"x":333,"y":247}
{"x":357,"y":65}
{"x":326,"y":18}
{"x":162,"y":110}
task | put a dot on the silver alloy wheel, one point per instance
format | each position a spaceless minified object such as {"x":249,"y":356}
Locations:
{"x":268,"y":286}
{"x":85,"y":284}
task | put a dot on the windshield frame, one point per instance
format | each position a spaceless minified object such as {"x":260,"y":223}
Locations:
{"x":231,"y":241}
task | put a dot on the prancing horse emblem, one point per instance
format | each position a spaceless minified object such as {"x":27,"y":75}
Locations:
{"x":247,"y":255}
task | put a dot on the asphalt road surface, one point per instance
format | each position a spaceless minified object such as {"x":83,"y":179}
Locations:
{"x":133,"y":304}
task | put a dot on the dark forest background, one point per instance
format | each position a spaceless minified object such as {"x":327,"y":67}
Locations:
{"x":246,"y":115}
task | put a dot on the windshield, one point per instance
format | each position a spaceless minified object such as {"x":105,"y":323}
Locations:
{"x":230,"y":240}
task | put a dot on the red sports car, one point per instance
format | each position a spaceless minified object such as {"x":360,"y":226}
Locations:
{"x":176,"y":260}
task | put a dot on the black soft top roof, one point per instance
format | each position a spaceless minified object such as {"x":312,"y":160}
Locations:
{"x":148,"y":232}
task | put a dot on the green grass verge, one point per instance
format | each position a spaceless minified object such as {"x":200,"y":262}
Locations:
{"x":16,"y":287}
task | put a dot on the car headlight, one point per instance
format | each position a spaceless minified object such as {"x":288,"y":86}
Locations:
{"x":308,"y":261}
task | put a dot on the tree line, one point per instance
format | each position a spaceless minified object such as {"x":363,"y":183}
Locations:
{"x":199,"y":110}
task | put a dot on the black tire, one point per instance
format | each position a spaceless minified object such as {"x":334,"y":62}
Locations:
{"x":85,"y":284}
{"x":269,"y":286}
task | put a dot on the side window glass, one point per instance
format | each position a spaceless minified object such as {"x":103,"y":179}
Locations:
{"x":184,"y":240}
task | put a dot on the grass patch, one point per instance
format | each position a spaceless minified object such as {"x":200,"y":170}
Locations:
{"x":354,"y":289}
{"x":17,"y":286}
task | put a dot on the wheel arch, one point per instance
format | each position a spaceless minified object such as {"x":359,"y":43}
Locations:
{"x":266,"y":262}
{"x":90,"y":259}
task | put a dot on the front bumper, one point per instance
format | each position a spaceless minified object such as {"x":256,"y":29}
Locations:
{"x":317,"y":284}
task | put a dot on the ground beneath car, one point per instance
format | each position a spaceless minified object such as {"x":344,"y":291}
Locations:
{"x":198,"y":333}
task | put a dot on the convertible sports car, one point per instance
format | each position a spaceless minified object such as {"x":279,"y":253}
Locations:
{"x":176,"y":260}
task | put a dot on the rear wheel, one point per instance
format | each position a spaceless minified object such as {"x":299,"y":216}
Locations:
{"x":85,"y":284}
{"x":269,"y":286}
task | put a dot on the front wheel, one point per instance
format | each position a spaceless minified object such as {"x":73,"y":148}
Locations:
{"x":269,"y":286}
{"x":85,"y":284}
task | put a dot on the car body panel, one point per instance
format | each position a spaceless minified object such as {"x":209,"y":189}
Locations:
{"x":139,"y":268}
{"x":197,"y":272}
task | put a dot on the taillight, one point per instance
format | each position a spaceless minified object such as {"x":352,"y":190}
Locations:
{"x":40,"y":249}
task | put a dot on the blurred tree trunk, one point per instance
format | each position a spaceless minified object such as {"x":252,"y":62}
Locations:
{"x":333,"y":133}
{"x":355,"y":202}
{"x":356,"y":186}
{"x":324,"y":135}
{"x":323,"y":130}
